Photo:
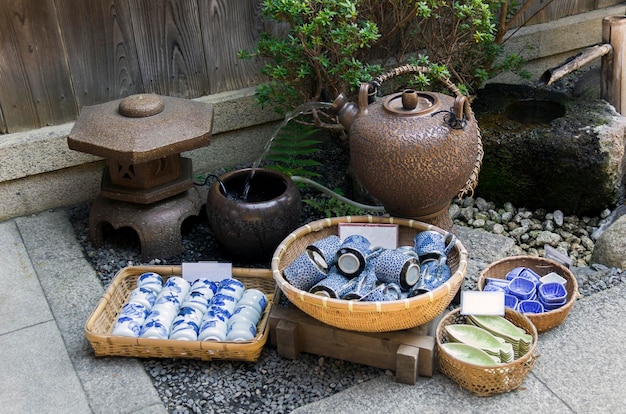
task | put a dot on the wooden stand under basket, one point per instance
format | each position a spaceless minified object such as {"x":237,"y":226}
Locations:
{"x":408,"y":352}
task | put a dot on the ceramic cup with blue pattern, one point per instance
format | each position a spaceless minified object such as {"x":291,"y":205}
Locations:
{"x":199,"y":298}
{"x":232,"y":287}
{"x":333,"y":286}
{"x":186,"y":325}
{"x":185,"y":332}
{"x":212,"y":329}
{"x":157,"y":325}
{"x":383,"y":293}
{"x":204,"y":283}
{"x":143,"y":296}
{"x":353,"y":255}
{"x":244,"y":313}
{"x":254,"y":298}
{"x":225,"y":302}
{"x":361,"y":285}
{"x":394,"y":266}
{"x":241,"y":331}
{"x":303,"y":273}
{"x":178,"y":286}
{"x":434,"y":273}
{"x":150,"y":280}
{"x":430,"y":244}
{"x":130,"y":320}
{"x":324,"y":251}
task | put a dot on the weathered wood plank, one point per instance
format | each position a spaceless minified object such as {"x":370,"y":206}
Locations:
{"x":227,"y":27}
{"x":18,"y":109}
{"x":613,"y":85}
{"x":42,"y":93}
{"x":169,"y":45}
{"x":543,"y":11}
{"x":103,"y":65}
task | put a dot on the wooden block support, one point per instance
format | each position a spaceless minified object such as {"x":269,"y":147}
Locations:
{"x":409,"y":353}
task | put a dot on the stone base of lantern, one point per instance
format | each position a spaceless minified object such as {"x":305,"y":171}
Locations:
{"x":158,"y":225}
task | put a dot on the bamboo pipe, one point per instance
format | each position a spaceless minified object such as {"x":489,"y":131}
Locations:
{"x":573,"y":64}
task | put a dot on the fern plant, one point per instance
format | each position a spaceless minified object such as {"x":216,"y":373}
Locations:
{"x":292,"y":149}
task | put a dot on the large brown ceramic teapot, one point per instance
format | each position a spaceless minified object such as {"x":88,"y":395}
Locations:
{"x":413,"y":151}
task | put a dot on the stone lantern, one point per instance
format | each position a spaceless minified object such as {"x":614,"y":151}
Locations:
{"x":146,"y":184}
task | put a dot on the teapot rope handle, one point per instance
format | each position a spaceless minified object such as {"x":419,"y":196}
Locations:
{"x":461,"y":109}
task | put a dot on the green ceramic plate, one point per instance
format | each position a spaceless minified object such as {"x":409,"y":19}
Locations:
{"x":498,"y":325}
{"x":469,"y":354}
{"x":474,"y":336}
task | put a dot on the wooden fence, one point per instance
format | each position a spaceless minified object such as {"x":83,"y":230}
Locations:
{"x":57,"y":56}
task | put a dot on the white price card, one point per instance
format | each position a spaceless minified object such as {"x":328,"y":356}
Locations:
{"x":482,"y":303}
{"x":215,"y":271}
{"x":379,"y":234}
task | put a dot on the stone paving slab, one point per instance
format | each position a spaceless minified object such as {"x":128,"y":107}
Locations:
{"x":37,"y":375}
{"x":71,"y":286}
{"x":20,"y":285}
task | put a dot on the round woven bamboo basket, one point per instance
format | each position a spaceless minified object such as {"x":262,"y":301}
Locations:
{"x":486,"y":380}
{"x":542,"y":266}
{"x":367,"y":316}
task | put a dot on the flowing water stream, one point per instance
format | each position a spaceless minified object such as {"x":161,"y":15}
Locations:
{"x":305,"y":108}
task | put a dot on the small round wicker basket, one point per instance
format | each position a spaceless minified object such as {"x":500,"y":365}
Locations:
{"x":486,"y":380}
{"x":542,"y":266}
{"x":367,"y":316}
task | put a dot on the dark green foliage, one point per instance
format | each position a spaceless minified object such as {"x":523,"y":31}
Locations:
{"x":292,"y":149}
{"x":333,"y":207}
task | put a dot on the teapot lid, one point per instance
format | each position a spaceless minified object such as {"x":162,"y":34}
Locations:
{"x":411,"y":103}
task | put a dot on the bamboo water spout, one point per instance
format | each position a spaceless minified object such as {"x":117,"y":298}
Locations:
{"x":613,"y":53}
{"x":573,"y":63}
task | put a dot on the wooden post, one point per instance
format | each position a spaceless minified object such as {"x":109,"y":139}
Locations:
{"x":613,"y":84}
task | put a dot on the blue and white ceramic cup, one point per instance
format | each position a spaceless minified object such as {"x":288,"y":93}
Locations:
{"x":212,"y":329}
{"x":170,"y":298}
{"x":360,"y":285}
{"x":186,"y":325}
{"x":383,"y":293}
{"x":333,"y":286}
{"x":177,"y":285}
{"x":150,"y":280}
{"x":353,"y":255}
{"x":241,"y":331}
{"x":324,"y":251}
{"x":225,"y":302}
{"x":244,"y":313}
{"x":204,"y":283}
{"x":434,"y":273}
{"x":254,"y":298}
{"x":143,"y":296}
{"x":217,"y":312}
{"x":393,"y":266}
{"x":303,"y":273}
{"x":199,"y":298}
{"x":156,"y":326}
{"x":232,"y":287}
{"x":431,"y":244}
{"x":189,"y":314}
{"x":185,"y":331}
{"x":130,"y":320}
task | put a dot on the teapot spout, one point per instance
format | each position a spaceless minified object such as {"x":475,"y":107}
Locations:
{"x":345,"y":111}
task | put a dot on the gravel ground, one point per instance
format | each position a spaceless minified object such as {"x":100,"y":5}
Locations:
{"x":276,"y":385}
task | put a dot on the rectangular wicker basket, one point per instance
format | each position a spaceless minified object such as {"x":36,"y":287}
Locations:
{"x":100,"y":324}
